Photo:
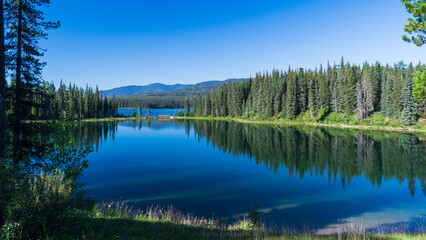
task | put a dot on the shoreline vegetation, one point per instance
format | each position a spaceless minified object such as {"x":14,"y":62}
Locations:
{"x":374,"y":123}
{"x":389,"y":127}
{"x":119,"y":220}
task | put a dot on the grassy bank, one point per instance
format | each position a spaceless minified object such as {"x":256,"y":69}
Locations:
{"x":376,"y":122}
{"x":118,"y":221}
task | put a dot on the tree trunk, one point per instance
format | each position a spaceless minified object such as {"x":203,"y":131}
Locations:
{"x":18,"y":117}
{"x":2,"y":87}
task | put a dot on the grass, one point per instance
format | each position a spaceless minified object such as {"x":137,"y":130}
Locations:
{"x":375,"y":121}
{"x":119,"y":221}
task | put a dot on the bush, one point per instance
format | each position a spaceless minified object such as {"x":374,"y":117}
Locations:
{"x":39,"y":202}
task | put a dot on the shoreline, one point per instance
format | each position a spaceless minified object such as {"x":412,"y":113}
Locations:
{"x":408,"y":129}
{"x":266,"y":122}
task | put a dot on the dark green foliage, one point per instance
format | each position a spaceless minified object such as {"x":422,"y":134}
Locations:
{"x":409,"y":104}
{"x":343,"y":88}
{"x":323,"y":89}
{"x":72,"y":103}
{"x":415,"y":25}
{"x":386,"y":99}
{"x":187,"y":107}
{"x":312,"y":103}
{"x":350,"y":90}
{"x":291,"y":99}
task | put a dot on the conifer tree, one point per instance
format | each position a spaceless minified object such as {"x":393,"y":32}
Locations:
{"x":323,"y":90}
{"x":187,"y":110}
{"x":398,"y":83}
{"x":26,"y":26}
{"x":291,"y":106}
{"x":409,"y":112}
{"x":311,"y":96}
{"x":333,"y":90}
{"x":302,"y":90}
{"x":377,"y":86}
{"x":386,"y":100}
{"x":350,"y":90}
{"x":106,"y":107}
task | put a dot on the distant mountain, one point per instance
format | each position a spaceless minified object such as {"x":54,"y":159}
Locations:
{"x":163,"y":89}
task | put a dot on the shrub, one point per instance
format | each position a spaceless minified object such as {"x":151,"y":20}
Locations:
{"x":39,"y":202}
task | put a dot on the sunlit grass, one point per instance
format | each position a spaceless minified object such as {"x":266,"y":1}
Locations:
{"x":118,"y":220}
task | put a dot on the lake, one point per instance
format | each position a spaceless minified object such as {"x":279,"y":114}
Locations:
{"x":154,"y":112}
{"x":322,"y":180}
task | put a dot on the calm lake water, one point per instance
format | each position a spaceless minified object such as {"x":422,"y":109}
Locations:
{"x":154,"y":112}
{"x":322,"y":180}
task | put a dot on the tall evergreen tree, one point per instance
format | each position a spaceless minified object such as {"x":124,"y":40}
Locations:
{"x":27,"y":27}
{"x":409,"y":112}
{"x":311,"y":96}
{"x":350,"y":90}
{"x":187,"y":107}
{"x":323,"y":90}
{"x":291,"y":107}
{"x":386,"y":100}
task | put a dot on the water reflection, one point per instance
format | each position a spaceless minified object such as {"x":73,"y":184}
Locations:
{"x":339,"y":154}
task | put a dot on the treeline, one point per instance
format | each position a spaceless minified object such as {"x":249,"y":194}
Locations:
{"x":342,"y":89}
{"x":71,"y":102}
{"x":65,"y":102}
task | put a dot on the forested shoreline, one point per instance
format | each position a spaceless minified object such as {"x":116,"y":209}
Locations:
{"x":71,"y":102}
{"x":341,"y":89}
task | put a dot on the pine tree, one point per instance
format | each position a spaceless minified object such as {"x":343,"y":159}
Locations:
{"x":386,"y":100}
{"x":333,"y":90}
{"x":187,"y":107}
{"x":350,"y":90}
{"x":291,"y":106}
{"x":97,"y":103}
{"x":398,"y":84}
{"x":377,"y":86}
{"x":106,"y":107}
{"x":311,"y":96}
{"x":409,"y":112}
{"x":323,"y":90}
{"x":340,"y":92}
{"x":27,"y":26}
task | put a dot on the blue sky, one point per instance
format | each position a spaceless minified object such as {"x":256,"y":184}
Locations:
{"x":138,"y":42}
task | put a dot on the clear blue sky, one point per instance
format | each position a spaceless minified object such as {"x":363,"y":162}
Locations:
{"x":138,"y":42}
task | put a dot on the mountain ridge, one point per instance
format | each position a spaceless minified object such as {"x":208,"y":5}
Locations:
{"x":132,"y":90}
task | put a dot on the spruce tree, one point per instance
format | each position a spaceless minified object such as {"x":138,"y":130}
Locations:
{"x":323,"y":90}
{"x":187,"y":110}
{"x":398,"y":84}
{"x":291,"y":107}
{"x":350,"y":90}
{"x":386,"y":98}
{"x":409,"y":104}
{"x":312,"y":97}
